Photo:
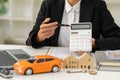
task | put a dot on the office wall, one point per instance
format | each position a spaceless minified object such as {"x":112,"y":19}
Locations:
{"x":114,"y":7}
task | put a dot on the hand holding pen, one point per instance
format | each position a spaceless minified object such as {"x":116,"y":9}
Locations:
{"x":63,"y":25}
{"x":46,"y":30}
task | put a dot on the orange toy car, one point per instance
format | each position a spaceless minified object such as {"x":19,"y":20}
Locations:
{"x":38,"y":64}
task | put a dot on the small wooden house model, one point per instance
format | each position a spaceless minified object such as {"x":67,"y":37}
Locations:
{"x":70,"y":62}
{"x":85,"y":61}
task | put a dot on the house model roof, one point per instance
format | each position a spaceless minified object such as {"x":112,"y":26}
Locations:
{"x":85,"y":61}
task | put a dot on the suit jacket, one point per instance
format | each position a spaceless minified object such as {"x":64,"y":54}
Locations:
{"x":94,"y":11}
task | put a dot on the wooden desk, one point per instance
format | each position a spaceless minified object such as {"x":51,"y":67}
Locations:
{"x":62,"y":75}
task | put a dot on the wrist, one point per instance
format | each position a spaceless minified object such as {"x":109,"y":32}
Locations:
{"x":39,"y":38}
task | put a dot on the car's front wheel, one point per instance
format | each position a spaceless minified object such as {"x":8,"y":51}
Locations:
{"x":55,"y":69}
{"x":28,"y":71}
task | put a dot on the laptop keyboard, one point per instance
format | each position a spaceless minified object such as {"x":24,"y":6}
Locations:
{"x":6,"y":59}
{"x":19,"y":54}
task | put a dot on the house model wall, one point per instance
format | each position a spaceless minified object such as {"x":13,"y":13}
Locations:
{"x":84,"y":62}
{"x":70,"y":62}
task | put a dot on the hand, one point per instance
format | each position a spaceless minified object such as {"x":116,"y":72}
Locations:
{"x":46,"y":30}
{"x":80,"y":52}
{"x":94,"y":45}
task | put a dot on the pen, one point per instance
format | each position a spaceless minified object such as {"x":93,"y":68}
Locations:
{"x":64,"y":25}
{"x":81,"y":71}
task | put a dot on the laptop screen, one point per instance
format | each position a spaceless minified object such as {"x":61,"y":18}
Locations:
{"x":10,"y":56}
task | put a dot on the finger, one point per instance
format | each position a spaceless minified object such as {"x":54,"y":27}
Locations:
{"x":94,"y":45}
{"x":46,"y":20}
{"x":80,"y":52}
{"x":53,"y":32}
{"x":50,"y":25}
{"x":93,"y":40}
{"x":48,"y":35}
{"x":53,"y":24}
{"x":45,"y":30}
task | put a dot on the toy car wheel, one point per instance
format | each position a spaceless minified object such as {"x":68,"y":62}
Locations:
{"x":28,"y":71}
{"x":55,"y":69}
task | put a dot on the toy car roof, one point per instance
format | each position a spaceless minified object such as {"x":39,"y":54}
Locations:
{"x":45,"y":56}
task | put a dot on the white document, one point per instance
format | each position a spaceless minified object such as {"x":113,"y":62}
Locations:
{"x":61,"y":52}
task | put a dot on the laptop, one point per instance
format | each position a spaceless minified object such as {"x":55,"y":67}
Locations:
{"x":9,"y":56}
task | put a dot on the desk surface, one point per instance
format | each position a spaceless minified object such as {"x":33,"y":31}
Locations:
{"x":62,"y":75}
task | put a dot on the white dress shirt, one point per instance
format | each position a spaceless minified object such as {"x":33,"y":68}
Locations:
{"x":70,"y":15}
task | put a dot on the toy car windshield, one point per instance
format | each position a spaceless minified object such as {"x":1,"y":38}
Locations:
{"x":31,"y":60}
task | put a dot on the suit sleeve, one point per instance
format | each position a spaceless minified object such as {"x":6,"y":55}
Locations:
{"x":40,"y":18}
{"x":109,"y":30}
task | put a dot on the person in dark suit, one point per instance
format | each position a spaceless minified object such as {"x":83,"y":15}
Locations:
{"x":94,"y":11}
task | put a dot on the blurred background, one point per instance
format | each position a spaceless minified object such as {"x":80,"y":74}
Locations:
{"x":17,"y":18}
